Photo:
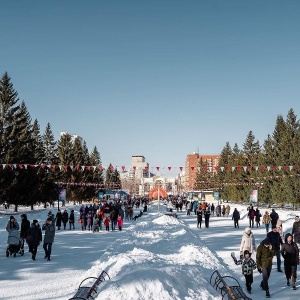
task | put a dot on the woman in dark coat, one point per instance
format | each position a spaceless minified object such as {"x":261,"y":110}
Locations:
{"x":72,"y":219}
{"x":34,"y":237}
{"x":257,"y":217}
{"x":65,"y":218}
{"x":48,"y":238}
{"x":199,"y":218}
{"x":25,"y":225}
{"x":58,"y":219}
{"x":235,"y":218}
{"x":290,"y":253}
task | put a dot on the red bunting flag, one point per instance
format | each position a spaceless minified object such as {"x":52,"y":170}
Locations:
{"x":157,"y":168}
{"x":169,"y":168}
{"x":123,"y":168}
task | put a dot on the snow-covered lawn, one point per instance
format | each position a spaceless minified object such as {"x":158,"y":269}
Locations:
{"x":156,"y":257}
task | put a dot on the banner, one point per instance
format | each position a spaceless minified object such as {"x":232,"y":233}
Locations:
{"x":62,"y":196}
{"x":253,"y":196}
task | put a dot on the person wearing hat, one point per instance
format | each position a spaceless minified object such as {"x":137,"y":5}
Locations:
{"x":248,"y":242}
{"x":34,"y":237}
{"x":276,"y":241}
{"x":264,"y":257}
{"x":12,"y":224}
{"x":296,"y":231}
{"x":236,"y":217}
{"x":49,"y":229}
{"x":72,"y":219}
{"x":274,"y":217}
{"x":248,"y":265}
{"x":266,"y":221}
{"x":290,"y":253}
{"x":25,"y":225}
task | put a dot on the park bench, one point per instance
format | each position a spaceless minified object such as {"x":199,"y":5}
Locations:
{"x":89,"y":292}
{"x":172,"y":214}
{"x":228,"y":286}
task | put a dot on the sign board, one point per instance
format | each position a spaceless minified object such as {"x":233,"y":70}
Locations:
{"x":216,"y":195}
{"x":62,"y":196}
{"x":253,"y":196}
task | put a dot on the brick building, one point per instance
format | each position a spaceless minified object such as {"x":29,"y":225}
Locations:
{"x":191,"y":164}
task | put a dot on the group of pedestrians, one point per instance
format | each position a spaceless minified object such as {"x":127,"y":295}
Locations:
{"x":272,"y":245}
{"x":32,"y":234}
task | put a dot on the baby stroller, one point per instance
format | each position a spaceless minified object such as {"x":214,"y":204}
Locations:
{"x":14,"y":244}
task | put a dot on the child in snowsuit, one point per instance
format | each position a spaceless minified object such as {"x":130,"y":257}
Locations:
{"x":248,"y":265}
{"x":106,"y":223}
{"x":120,"y":223}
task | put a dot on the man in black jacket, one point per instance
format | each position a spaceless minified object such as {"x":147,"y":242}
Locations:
{"x":274,"y":216}
{"x":276,"y":241}
{"x":25,"y":225}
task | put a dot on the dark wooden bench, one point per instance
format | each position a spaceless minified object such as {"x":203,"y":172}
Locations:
{"x":89,"y":292}
{"x":228,"y":287}
{"x":172,"y":214}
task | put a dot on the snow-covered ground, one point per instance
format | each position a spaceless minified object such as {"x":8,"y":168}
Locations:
{"x":156,"y":257}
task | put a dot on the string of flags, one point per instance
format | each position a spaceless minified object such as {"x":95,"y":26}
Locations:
{"x":158,"y":168}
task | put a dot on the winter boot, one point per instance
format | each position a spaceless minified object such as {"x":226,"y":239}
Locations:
{"x":288,"y":283}
{"x":262,"y":286}
{"x":267,"y":294}
{"x":294,"y":286}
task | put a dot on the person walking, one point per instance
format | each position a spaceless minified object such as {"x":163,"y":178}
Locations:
{"x":266,"y":221}
{"x":113,"y":219}
{"x":212,"y":209}
{"x":274,"y":217}
{"x":227,"y":211}
{"x":12,"y":224}
{"x":276,"y":241}
{"x":248,"y":265}
{"x":206,"y":217}
{"x":199,"y":217}
{"x":49,"y":229}
{"x":264,"y":257}
{"x":257,"y":217}
{"x":235,"y":218}
{"x":290,"y":254}
{"x":65,"y":218}
{"x":248,"y":241}
{"x":120,"y":223}
{"x":251,"y":216}
{"x":106,"y":223}
{"x":58,"y":219}
{"x":25,"y":225}
{"x":72,"y":219}
{"x":296,"y":231}
{"x":34,"y":237}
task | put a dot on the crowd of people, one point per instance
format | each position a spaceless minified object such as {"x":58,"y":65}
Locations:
{"x":110,"y":216}
{"x":274,"y":244}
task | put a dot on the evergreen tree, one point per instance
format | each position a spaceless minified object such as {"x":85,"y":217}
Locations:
{"x":49,"y":146}
{"x":8,"y":108}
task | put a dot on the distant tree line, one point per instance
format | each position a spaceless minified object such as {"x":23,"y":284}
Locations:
{"x":21,"y":142}
{"x":275,"y":185}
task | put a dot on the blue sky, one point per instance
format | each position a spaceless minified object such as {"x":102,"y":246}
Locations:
{"x":155,"y":78}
